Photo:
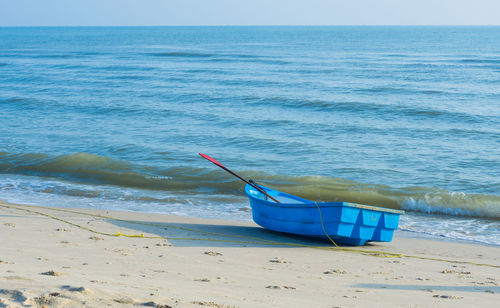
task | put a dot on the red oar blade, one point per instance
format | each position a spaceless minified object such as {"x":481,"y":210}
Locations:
{"x":211,"y":159}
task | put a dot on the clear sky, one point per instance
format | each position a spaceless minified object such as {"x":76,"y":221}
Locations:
{"x":247,"y":12}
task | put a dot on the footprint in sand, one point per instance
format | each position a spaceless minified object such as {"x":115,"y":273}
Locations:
{"x":125,"y":300}
{"x":82,"y":290}
{"x":154,"y":304}
{"x":43,"y":300}
{"x":51,"y":273}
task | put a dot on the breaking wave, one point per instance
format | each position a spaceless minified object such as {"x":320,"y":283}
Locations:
{"x":101,"y":170}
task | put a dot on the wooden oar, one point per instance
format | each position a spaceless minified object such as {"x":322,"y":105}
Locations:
{"x":212,"y":160}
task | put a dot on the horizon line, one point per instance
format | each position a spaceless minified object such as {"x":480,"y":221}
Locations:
{"x":298,"y":25}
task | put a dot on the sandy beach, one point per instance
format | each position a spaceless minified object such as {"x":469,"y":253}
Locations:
{"x":46,"y":261}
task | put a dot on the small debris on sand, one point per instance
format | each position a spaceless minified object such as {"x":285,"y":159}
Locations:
{"x":203,"y":280}
{"x":280,"y":287}
{"x":9,"y":224}
{"x":163,"y":243}
{"x":213,"y":253}
{"x":96,"y":238}
{"x":335,"y":271}
{"x":447,"y":271}
{"x":447,"y":296}
{"x":279,"y":260}
{"x":211,"y":304}
{"x":489,"y":281}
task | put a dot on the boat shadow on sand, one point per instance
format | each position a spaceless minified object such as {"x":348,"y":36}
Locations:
{"x":220,"y":235}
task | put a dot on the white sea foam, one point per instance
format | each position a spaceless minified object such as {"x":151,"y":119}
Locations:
{"x":454,"y":204}
{"x":468,"y":229}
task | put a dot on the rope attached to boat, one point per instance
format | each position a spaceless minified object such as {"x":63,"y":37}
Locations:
{"x":245,"y":239}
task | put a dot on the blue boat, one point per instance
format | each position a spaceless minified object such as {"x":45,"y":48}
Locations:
{"x":344,"y":222}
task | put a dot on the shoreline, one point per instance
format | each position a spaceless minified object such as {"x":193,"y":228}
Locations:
{"x":398,"y":233}
{"x":431,"y":237}
{"x":45,"y":261}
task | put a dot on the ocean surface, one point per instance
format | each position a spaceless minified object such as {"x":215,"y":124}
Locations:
{"x":114,"y":118}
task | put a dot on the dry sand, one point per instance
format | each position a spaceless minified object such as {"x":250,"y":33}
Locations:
{"x":47,"y":262}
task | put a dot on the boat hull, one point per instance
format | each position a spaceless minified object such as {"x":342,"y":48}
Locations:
{"x":346,"y":223}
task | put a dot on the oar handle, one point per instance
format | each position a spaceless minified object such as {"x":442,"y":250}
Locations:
{"x":212,"y":160}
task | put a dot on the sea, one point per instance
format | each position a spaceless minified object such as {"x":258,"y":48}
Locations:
{"x":114,"y":118}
